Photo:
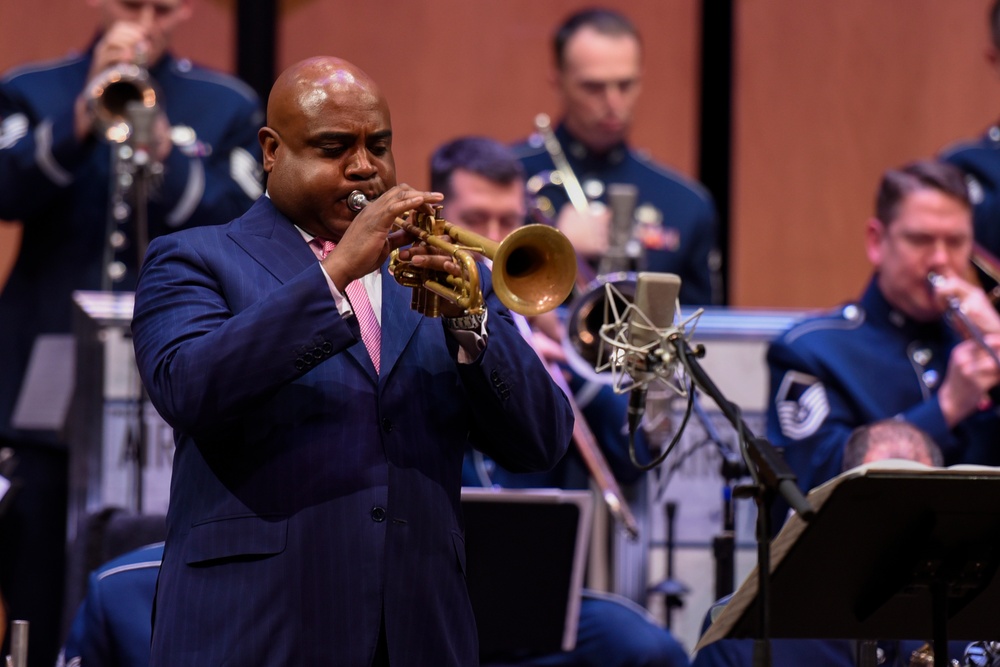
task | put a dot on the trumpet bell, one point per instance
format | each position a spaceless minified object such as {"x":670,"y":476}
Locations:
{"x":109,"y":95}
{"x":534,"y":269}
{"x":586,"y":315}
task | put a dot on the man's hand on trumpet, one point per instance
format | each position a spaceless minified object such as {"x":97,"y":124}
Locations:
{"x":972,"y":372}
{"x":954,"y":292}
{"x":972,"y":367}
{"x":370,"y":237}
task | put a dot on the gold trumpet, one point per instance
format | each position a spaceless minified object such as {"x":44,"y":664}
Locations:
{"x":534,"y":267}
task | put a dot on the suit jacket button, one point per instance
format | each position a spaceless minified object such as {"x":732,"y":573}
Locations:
{"x":378,"y":514}
{"x":387,"y":425}
{"x":299,"y":365}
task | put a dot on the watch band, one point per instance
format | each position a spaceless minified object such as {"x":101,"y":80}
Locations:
{"x":465,"y":322}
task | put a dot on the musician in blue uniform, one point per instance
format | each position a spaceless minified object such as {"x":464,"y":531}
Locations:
{"x":56,"y":177}
{"x":483,"y":184}
{"x":113,"y":624}
{"x":598,"y":69}
{"x":893,"y":353}
{"x":980,"y":160}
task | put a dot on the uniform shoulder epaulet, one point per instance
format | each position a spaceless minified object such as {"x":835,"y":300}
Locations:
{"x":989,"y":139}
{"x":189,"y":70}
{"x":843,"y":318}
{"x":646,"y":160}
{"x":42,"y":66}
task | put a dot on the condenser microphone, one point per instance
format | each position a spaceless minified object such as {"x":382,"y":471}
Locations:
{"x":655,"y":302}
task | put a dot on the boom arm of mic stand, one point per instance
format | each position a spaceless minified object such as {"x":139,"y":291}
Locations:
{"x":772,"y":470}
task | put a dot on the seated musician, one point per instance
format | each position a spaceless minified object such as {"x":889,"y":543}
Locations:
{"x":483,"y":185}
{"x":896,"y":352}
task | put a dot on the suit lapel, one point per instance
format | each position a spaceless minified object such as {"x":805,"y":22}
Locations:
{"x":272,"y":241}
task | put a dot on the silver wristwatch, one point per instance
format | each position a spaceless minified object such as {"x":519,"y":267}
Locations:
{"x":465,"y":322}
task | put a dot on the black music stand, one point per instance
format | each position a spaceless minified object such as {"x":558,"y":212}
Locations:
{"x":526,"y":553}
{"x":895,"y":551}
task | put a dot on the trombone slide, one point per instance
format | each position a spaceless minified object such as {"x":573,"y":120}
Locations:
{"x":586,"y":444}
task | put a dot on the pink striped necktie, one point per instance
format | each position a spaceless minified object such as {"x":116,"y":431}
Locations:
{"x":371,"y":332}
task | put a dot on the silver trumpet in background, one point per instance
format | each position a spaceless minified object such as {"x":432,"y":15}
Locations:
{"x":123,"y":99}
{"x":961,"y":322}
{"x":108,"y":96}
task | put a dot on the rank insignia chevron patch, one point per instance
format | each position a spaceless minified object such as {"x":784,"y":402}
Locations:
{"x":801,"y":404}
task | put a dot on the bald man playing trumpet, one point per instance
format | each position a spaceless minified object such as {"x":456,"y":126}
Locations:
{"x":315,"y":507}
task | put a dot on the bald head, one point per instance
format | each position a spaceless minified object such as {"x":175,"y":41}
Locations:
{"x":309,"y":85}
{"x":890,"y":439}
{"x":328,"y":133}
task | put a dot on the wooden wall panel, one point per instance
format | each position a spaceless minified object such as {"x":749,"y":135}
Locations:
{"x":448,"y":67}
{"x":40,"y":29}
{"x":827,"y":96}
{"x":453,"y":67}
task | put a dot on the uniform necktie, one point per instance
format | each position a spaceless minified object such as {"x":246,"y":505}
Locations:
{"x":371,"y":332}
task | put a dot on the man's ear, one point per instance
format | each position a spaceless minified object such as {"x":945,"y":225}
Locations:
{"x":875,"y":232}
{"x":269,"y":143}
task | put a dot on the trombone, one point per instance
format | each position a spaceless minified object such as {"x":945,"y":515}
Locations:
{"x":534,"y":267}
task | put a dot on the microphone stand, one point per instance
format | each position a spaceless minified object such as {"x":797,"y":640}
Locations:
{"x":723,"y":544}
{"x":144,"y":169}
{"x":771,"y":477}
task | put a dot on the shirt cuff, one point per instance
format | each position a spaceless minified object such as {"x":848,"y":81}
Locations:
{"x":343,"y":305}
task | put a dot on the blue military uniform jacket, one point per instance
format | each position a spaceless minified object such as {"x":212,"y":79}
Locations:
{"x":113,"y":625}
{"x":980,"y":160}
{"x":59,"y":189}
{"x":856,"y":365}
{"x":676,"y":217}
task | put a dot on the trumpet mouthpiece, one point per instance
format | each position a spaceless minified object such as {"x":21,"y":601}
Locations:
{"x":357,"y":201}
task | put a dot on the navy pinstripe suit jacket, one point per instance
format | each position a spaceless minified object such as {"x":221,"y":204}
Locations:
{"x":310,"y":495}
